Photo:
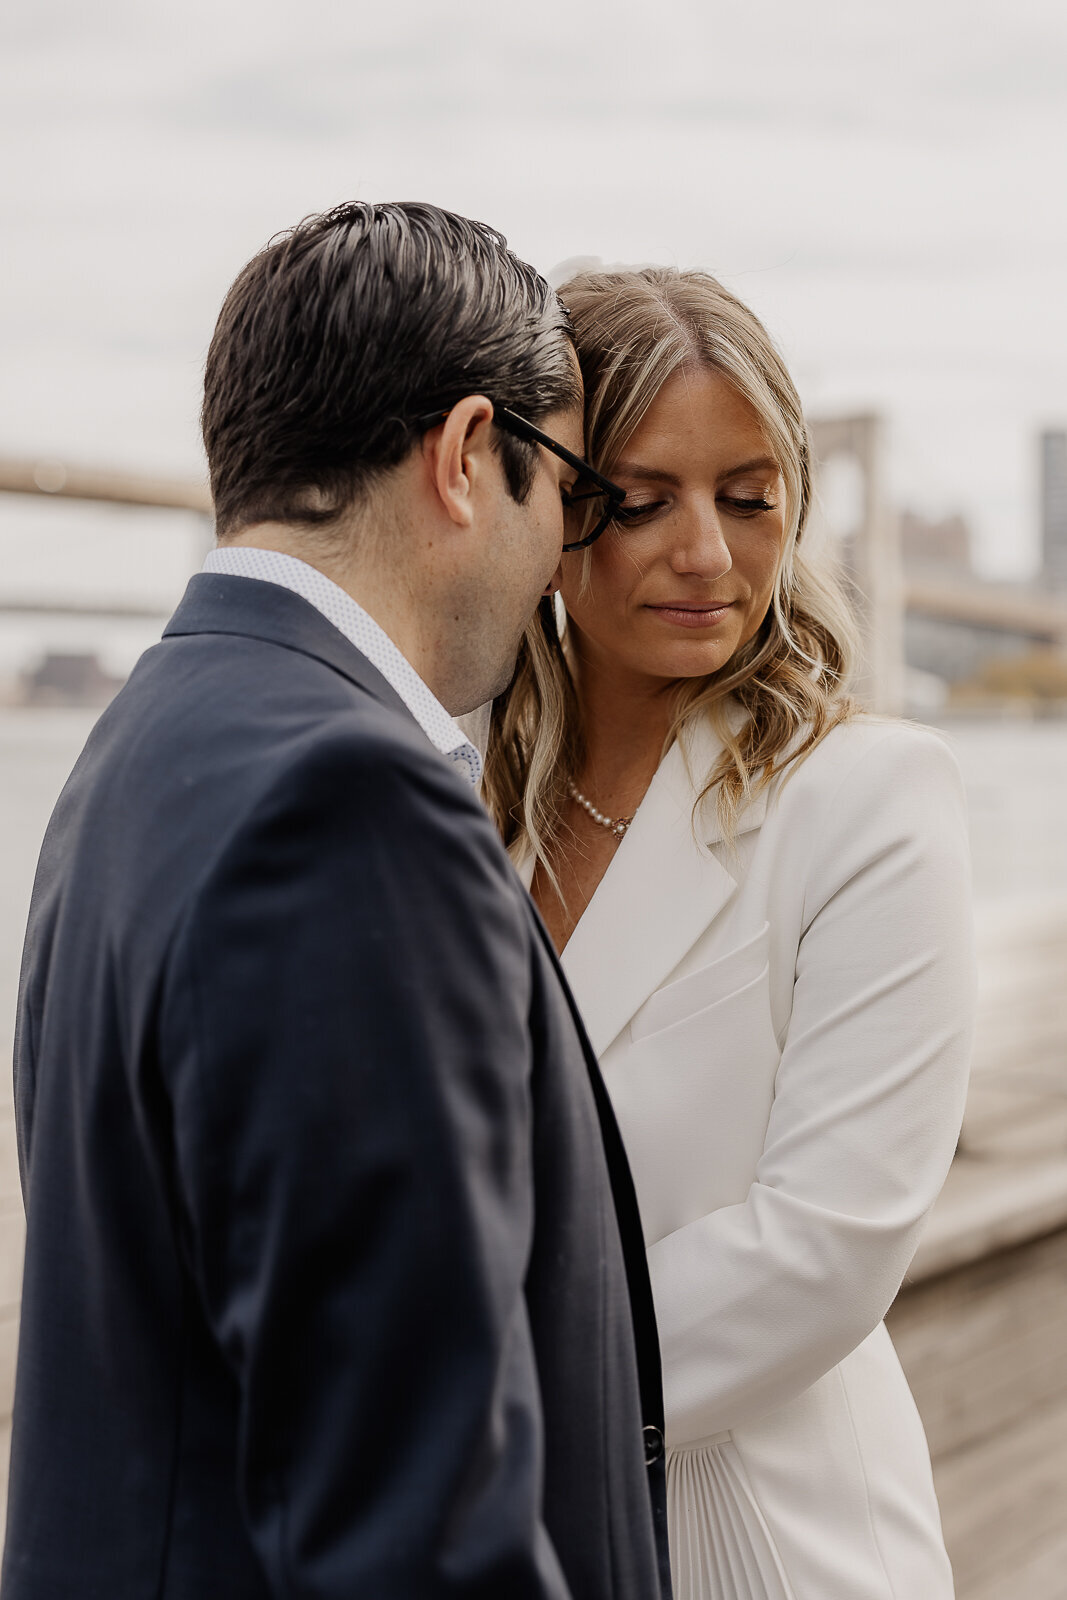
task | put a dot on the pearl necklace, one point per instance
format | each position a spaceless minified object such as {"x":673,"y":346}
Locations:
{"x":615,"y":825}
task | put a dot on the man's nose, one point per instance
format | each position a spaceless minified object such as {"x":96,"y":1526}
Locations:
{"x":700,"y":544}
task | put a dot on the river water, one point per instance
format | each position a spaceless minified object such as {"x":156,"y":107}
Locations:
{"x":1015,"y":773}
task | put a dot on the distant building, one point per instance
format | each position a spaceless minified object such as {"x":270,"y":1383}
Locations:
{"x":1054,"y":507}
{"x":69,"y":680}
{"x":944,"y":544}
{"x":954,"y":649}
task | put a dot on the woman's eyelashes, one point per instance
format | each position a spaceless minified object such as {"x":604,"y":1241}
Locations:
{"x":633,"y":512}
{"x":743,"y":506}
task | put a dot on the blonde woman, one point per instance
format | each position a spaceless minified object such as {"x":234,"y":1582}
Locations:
{"x":762,"y":902}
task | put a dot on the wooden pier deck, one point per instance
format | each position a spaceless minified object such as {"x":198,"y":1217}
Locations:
{"x":981,"y":1325}
{"x":983,"y":1346}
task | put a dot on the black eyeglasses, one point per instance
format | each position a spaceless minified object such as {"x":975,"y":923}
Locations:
{"x":593,"y":501}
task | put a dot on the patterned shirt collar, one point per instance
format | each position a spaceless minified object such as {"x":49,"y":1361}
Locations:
{"x":360,"y":629}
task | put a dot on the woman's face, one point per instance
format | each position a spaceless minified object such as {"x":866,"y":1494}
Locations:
{"x":686,"y":576}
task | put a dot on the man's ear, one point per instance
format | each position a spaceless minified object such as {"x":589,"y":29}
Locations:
{"x":458,"y":453}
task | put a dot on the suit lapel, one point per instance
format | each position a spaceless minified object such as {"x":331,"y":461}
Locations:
{"x":663,"y":888}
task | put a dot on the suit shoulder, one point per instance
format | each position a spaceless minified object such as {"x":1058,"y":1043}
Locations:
{"x":383,"y":753}
{"x":366,"y":773}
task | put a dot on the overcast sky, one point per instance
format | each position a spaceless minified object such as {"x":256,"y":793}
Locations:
{"x":885,"y":183}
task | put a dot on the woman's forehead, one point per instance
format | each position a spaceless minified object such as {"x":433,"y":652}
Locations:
{"x":696,"y":419}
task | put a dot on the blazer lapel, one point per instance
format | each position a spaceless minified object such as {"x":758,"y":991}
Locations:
{"x":662,"y":889}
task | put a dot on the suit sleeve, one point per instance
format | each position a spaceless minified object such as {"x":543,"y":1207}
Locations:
{"x":348,"y":1058}
{"x":756,"y":1301}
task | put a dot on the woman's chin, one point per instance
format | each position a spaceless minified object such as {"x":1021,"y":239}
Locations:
{"x":693,"y":661}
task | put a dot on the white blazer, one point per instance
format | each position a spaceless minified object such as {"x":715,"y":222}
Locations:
{"x":784,"y":1028}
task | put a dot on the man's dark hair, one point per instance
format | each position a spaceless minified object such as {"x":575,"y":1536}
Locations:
{"x":344,"y":330}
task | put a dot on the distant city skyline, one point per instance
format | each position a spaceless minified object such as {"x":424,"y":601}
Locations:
{"x":883,"y":186}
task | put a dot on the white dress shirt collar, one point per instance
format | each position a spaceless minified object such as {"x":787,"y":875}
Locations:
{"x":361,"y":630}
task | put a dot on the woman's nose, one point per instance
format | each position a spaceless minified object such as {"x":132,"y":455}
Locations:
{"x":700,"y":545}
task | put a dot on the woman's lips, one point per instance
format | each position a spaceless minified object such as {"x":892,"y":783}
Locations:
{"x":684,"y":614}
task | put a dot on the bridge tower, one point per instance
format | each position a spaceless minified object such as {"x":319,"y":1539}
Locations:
{"x":869,"y":551}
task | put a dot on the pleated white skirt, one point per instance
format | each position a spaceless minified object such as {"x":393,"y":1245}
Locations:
{"x":829,"y":1497}
{"x":721,"y":1547}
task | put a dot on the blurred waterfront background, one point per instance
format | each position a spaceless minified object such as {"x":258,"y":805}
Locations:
{"x":886,"y":187}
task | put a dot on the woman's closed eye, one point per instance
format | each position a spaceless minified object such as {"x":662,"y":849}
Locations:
{"x":634,"y":512}
{"x":746,"y":506}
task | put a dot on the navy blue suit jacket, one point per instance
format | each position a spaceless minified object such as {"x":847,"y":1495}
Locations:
{"x":334,"y":1283}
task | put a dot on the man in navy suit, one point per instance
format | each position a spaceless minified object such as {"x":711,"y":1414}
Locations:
{"x":334,"y":1280}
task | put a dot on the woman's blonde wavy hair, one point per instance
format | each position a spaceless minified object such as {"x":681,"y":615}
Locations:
{"x":634,"y":329}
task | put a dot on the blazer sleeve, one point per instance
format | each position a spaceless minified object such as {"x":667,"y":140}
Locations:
{"x":758,"y":1300}
{"x":347,"y":1056}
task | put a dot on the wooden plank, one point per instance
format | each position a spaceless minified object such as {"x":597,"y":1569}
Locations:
{"x":984,"y":1345}
{"x":5,"y":1457}
{"x":1003,"y":1504}
{"x":9,"y":1343}
{"x":989,"y":1204}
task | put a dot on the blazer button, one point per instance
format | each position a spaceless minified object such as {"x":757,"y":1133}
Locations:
{"x":653,"y":1444}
